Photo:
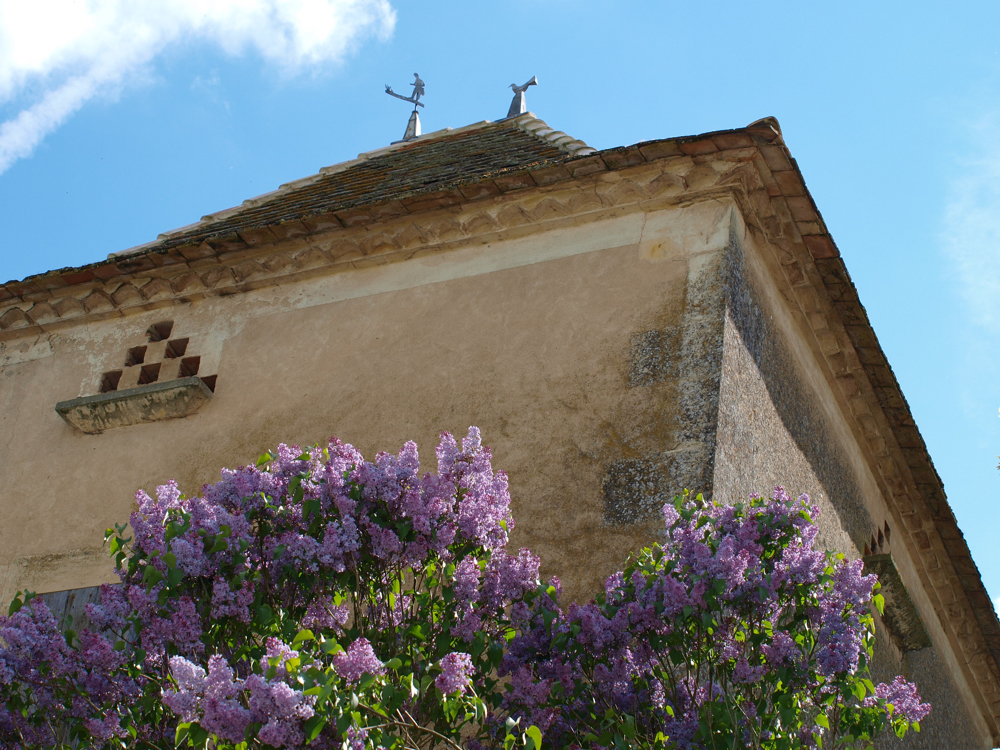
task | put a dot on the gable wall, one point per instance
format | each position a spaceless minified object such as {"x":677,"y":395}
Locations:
{"x":566,"y":347}
{"x":780,"y":423}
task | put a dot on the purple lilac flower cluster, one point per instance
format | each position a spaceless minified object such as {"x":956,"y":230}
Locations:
{"x":225,"y":705}
{"x":734,"y":607}
{"x":456,"y":673}
{"x":899,"y":698}
{"x":290,"y":593}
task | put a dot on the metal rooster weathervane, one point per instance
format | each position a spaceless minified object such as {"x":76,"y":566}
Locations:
{"x":519,"y":106}
{"x":413,"y":126}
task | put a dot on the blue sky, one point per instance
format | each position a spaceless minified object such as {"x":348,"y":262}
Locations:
{"x":122,"y":119}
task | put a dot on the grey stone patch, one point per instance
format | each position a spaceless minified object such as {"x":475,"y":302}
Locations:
{"x":633,"y":489}
{"x":700,"y":371}
{"x":949,"y":724}
{"x":901,"y":618}
{"x":636,"y":489}
{"x":652,"y":358}
{"x":802,"y":419}
{"x":146,"y":403}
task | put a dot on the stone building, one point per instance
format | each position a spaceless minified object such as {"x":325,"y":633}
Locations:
{"x":620,"y":324}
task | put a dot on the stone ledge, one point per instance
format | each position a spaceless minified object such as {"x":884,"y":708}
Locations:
{"x":900,"y":616}
{"x":146,"y":403}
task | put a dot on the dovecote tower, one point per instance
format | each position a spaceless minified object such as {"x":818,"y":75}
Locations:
{"x":620,"y":324}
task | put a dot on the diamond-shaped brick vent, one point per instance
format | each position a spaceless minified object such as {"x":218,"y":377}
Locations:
{"x":159,"y":379}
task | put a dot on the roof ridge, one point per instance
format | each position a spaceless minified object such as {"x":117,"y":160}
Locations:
{"x":532,"y":124}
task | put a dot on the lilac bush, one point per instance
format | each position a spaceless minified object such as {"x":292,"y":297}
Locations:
{"x":318,"y":599}
{"x":732,"y":633}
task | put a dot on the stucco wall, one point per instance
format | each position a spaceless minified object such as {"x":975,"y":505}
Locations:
{"x":580,"y":352}
{"x":779,"y":424}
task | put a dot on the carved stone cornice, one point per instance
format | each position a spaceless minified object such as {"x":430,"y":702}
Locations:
{"x":584,"y":188}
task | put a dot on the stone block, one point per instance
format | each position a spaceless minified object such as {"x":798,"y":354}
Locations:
{"x":656,"y":150}
{"x":775,"y":158}
{"x":549,"y":175}
{"x":78,"y":277}
{"x":726,"y":141}
{"x":802,"y":208}
{"x":790,"y":183}
{"x":510,"y":182}
{"x":694,"y":148}
{"x":147,"y":403}
{"x":480,"y":190}
{"x":629,"y":156}
{"x":586,"y":165}
{"x":900,"y":616}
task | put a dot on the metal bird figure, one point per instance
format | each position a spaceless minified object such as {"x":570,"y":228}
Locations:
{"x":519,"y":106}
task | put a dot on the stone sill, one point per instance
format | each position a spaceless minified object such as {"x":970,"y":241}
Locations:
{"x":146,"y":403}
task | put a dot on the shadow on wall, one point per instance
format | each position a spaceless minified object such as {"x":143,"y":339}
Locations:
{"x":762,"y":379}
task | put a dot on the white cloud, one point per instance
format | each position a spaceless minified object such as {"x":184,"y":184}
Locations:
{"x":58,"y":54}
{"x":972,"y":227}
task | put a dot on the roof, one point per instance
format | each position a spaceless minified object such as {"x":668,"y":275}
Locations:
{"x":404,"y":173}
{"x":431,"y":170}
{"x":222,"y":254}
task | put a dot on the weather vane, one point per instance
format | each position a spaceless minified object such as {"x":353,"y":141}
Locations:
{"x":413,"y":126}
{"x":518,"y":106}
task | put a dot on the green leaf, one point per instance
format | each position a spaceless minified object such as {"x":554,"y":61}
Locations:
{"x":220,"y":545}
{"x":182,"y":732}
{"x":313,"y":727}
{"x":264,"y":615}
{"x":417,"y":632}
{"x":822,"y":721}
{"x":199,"y":735}
{"x":151,"y":576}
{"x":535,"y":735}
{"x":302,"y":636}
